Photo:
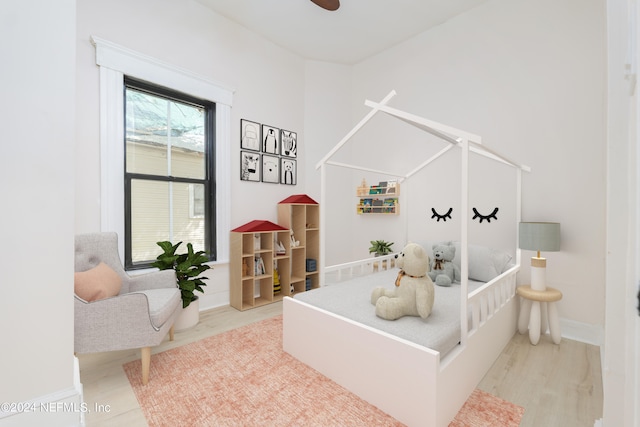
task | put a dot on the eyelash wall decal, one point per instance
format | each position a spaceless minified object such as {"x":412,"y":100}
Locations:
{"x":483,"y":217}
{"x":441,"y":217}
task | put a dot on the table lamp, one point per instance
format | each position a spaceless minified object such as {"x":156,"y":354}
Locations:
{"x":539,"y":236}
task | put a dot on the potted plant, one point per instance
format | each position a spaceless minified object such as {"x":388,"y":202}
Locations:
{"x":380,"y":247}
{"x":188,"y":267}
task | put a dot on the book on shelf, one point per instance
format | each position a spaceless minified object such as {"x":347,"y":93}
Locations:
{"x":391,"y":186}
{"x":259,"y":266}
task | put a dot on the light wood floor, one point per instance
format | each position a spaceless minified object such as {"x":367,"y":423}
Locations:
{"x":558,"y":385}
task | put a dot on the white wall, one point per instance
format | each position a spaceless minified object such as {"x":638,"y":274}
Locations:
{"x":268,"y":83}
{"x":327,"y":120}
{"x":37,"y":106}
{"x":528,"y":76}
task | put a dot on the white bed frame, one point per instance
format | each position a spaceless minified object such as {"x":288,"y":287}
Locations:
{"x":409,"y":382}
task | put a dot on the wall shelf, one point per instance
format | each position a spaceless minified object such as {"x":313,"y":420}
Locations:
{"x":381,"y":199}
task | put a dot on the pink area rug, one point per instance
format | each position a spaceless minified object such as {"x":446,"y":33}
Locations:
{"x":244,"y":378}
{"x":483,"y":410}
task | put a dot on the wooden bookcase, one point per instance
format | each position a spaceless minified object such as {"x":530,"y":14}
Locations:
{"x":249,"y":287}
{"x":301,"y":215}
{"x":379,"y":199}
{"x":254,"y":257}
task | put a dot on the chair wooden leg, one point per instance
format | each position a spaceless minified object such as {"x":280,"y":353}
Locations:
{"x":145,"y":356}
{"x":171,"y":333}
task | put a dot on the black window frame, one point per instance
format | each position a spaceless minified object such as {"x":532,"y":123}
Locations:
{"x":210,"y":233}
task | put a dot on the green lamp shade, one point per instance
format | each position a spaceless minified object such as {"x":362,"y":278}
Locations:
{"x":540,"y":236}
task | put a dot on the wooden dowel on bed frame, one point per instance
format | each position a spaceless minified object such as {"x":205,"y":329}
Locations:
{"x":355,"y":129}
{"x":464,"y":237}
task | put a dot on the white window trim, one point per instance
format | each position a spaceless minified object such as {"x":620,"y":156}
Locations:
{"x":115,"y":62}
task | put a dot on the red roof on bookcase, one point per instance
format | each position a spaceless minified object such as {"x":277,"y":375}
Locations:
{"x":299,"y":199}
{"x":258,"y":225}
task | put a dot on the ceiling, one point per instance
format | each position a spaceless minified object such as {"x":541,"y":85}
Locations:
{"x":357,"y":30}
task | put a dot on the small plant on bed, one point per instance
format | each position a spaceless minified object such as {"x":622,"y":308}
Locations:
{"x":188,"y":267}
{"x":380,"y":247}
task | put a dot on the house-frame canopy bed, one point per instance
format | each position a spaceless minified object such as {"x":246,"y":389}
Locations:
{"x":417,"y":385}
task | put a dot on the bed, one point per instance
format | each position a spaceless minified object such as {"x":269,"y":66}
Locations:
{"x":419,"y":381}
{"x":439,"y":332}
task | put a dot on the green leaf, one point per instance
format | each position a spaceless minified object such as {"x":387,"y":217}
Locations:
{"x":380,"y":247}
{"x":188,"y":286}
{"x":188,"y":267}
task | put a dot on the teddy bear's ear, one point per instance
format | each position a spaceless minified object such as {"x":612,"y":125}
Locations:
{"x":418,"y":251}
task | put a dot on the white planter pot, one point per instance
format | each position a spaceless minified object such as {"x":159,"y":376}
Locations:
{"x":188,"y":317}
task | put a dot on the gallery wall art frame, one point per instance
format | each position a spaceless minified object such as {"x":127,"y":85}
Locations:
{"x":270,"y":169}
{"x":288,"y":171}
{"x":250,"y":136}
{"x":250,"y":166}
{"x":289,"y":143}
{"x":270,"y":140}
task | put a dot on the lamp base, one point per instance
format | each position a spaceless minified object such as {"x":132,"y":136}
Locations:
{"x":538,"y":272}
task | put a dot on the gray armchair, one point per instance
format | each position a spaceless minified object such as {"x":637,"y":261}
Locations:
{"x":140,"y":316}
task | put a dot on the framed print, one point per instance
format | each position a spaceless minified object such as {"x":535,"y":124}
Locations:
{"x":289,"y":144}
{"x":249,"y":135}
{"x":270,"y":140}
{"x":270,"y":169}
{"x":288,"y":171}
{"x":249,"y":166}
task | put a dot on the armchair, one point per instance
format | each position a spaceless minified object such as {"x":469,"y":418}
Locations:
{"x":139,"y":316}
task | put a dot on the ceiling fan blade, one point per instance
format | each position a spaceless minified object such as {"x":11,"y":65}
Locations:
{"x":328,"y":4}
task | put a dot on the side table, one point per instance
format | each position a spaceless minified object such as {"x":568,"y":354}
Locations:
{"x":536,"y":308}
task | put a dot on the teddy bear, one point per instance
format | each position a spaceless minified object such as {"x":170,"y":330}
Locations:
{"x":413,"y":293}
{"x":443,"y":271}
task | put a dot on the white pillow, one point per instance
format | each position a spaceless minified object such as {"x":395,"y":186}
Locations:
{"x":484,"y":263}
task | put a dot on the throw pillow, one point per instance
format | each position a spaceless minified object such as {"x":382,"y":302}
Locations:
{"x":97,"y":283}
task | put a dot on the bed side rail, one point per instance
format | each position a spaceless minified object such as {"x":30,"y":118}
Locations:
{"x":340,"y":272}
{"x":485,"y":301}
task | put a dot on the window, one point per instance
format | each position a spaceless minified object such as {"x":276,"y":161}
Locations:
{"x":116,"y":62}
{"x":169,"y":171}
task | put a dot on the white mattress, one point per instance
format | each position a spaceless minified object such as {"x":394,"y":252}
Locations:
{"x":352,"y":299}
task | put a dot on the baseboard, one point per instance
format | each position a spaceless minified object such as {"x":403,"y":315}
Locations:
{"x":61,"y":408}
{"x":214,"y":300}
{"x":583,"y":332}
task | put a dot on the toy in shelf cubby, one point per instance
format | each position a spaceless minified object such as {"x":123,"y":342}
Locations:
{"x":378,"y":199}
